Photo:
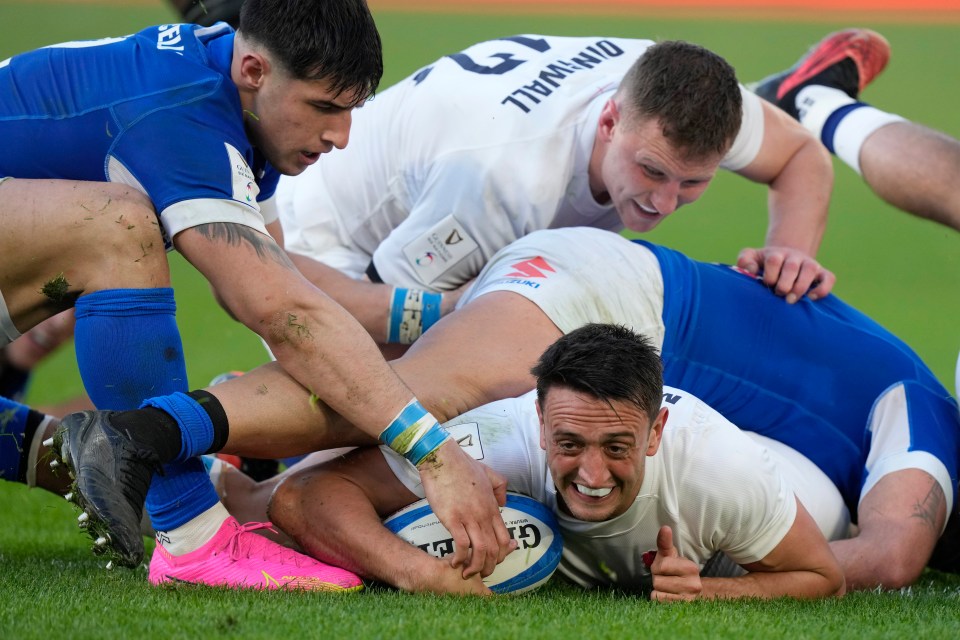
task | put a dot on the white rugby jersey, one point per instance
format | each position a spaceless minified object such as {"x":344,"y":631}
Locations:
{"x":466,"y":155}
{"x":716,"y":488}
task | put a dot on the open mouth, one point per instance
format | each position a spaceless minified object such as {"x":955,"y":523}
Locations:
{"x":601,"y":492}
{"x":652,"y":213}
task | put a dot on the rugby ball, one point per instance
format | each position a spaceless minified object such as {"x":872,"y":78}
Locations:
{"x":529,"y":522}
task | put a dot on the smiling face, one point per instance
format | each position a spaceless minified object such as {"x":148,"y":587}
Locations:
{"x":641,"y":173}
{"x":596,"y":451}
{"x":291,"y":121}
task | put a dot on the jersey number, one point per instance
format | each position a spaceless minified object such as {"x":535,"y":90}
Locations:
{"x":507,"y":61}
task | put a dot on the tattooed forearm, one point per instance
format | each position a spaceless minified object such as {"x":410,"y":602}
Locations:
{"x":238,"y":234}
{"x":928,"y":508}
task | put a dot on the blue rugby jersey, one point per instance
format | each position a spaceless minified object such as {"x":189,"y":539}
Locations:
{"x":156,"y":109}
{"x":806,"y":374}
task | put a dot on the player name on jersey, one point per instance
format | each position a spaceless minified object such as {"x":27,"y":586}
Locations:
{"x":529,"y":95}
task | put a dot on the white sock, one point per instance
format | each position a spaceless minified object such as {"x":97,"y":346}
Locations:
{"x":816,"y":104}
{"x":35,"y":451}
{"x":195,"y":533}
{"x":854,"y":128}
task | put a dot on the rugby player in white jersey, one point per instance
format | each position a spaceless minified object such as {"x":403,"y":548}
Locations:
{"x":532,"y":132}
{"x":625,"y":472}
{"x":887,"y":435}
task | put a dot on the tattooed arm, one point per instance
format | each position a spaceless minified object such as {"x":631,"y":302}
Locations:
{"x":324,"y":349}
{"x":900,"y":519}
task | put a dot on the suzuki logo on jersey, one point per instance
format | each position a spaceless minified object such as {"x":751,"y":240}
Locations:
{"x":533,"y":268}
{"x":168,"y":37}
{"x":525,"y":271}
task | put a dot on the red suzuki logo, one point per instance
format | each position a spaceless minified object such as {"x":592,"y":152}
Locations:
{"x":533,"y":268}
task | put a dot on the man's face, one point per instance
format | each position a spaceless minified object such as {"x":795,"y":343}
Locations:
{"x":641,"y":173}
{"x":596,"y":451}
{"x":294,"y":121}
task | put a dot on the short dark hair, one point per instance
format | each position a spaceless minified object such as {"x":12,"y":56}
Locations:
{"x":334,"y":40}
{"x":606,"y":361}
{"x":692,"y":91}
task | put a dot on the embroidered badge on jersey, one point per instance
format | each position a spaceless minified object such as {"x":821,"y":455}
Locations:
{"x":467,"y":436}
{"x":439,"y":249}
{"x":245,"y":187}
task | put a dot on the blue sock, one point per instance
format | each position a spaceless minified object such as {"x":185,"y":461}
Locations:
{"x":128,"y":346}
{"x":183,"y":493}
{"x":15,"y":420}
{"x":196,"y":428}
{"x":185,"y":490}
{"x":129,"y":349}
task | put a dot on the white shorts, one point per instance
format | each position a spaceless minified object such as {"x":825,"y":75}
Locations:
{"x":579,"y":276}
{"x":897,"y":445}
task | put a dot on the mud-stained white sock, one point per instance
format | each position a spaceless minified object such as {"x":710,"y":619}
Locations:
{"x":34,"y":453}
{"x":194,"y":534}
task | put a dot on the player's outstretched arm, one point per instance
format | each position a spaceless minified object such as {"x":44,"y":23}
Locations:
{"x":334,"y":511}
{"x":379,"y":308}
{"x":800,"y":566}
{"x":799,"y":172}
{"x":323,"y":348}
{"x":374,"y":304}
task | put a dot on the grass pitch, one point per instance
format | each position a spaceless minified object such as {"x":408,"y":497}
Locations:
{"x":902,"y":271}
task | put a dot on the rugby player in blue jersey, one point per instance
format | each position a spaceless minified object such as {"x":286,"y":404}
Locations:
{"x":175,"y":136}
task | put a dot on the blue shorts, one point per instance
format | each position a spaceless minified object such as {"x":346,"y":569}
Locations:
{"x":819,"y":376}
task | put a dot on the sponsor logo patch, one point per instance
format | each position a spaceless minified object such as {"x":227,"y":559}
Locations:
{"x":243,"y":182}
{"x":437,"y":251}
{"x":467,"y":436}
{"x":533,"y":268}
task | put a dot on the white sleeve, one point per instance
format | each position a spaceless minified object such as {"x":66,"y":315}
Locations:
{"x":191,"y":213}
{"x":737,"y":500}
{"x":746,"y":145}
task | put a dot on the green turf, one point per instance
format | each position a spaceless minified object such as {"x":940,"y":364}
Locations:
{"x":55,"y":588}
{"x":902,"y":271}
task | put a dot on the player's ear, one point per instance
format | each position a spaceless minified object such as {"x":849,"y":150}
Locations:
{"x":609,"y":117}
{"x":656,"y":431}
{"x":253,"y":68}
